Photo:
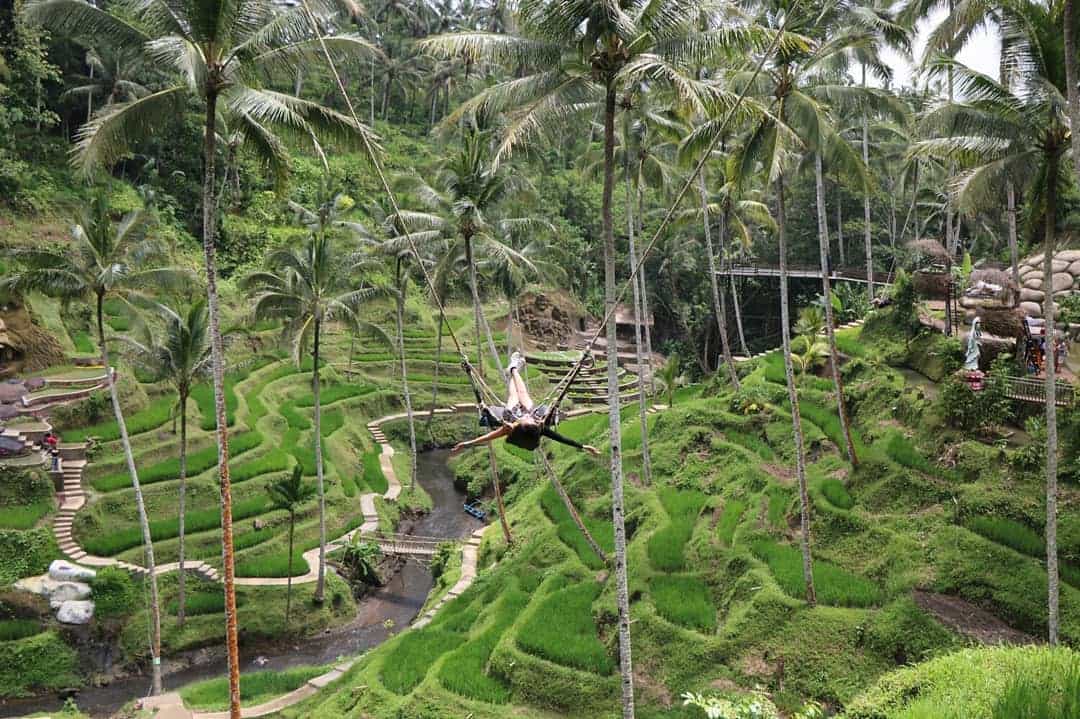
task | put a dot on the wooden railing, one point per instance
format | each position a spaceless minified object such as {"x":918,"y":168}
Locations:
{"x":755,"y":269}
{"x":1033,"y":389}
{"x":404,"y":543}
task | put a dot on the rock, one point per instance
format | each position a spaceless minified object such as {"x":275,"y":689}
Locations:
{"x":1069,"y":255}
{"x":1074,"y":268}
{"x":1033,"y":282}
{"x":68,"y":591}
{"x":1028,"y":295}
{"x":76,"y":612}
{"x":1034,"y":260}
{"x":1062,"y":281}
{"x":1060,"y":265}
{"x":258,"y":524}
{"x":1031,"y":309}
{"x":63,"y":571}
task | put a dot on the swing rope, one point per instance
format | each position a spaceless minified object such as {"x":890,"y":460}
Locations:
{"x":560,"y":391}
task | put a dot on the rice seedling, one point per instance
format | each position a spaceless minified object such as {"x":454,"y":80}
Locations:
{"x":837,"y":494}
{"x":464,"y":671}
{"x":203,"y":602}
{"x":272,"y":565}
{"x":408,"y":662}
{"x":336,"y":393}
{"x":156,"y":414}
{"x":729,"y":520}
{"x":835,"y":585}
{"x":169,"y":469}
{"x":25,"y":516}
{"x":12,"y":629}
{"x":255,"y":688}
{"x":562,"y":630}
{"x":570,"y":535}
{"x":666,"y":547}
{"x":373,"y":474}
{"x":685,"y":601}
{"x":779,"y":501}
{"x":83,"y":344}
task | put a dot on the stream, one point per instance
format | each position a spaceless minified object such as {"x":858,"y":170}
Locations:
{"x":388,"y":609}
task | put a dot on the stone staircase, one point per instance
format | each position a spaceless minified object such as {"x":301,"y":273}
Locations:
{"x":590,"y":386}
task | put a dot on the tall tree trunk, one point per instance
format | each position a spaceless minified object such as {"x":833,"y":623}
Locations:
{"x":140,"y":507}
{"x":511,"y":313}
{"x":714,"y":284}
{"x":915,"y":202}
{"x":840,"y":226}
{"x":738,"y":316}
{"x":561,"y":491}
{"x":1014,"y":243}
{"x":180,"y":579}
{"x":298,"y":82}
{"x":498,"y":495}
{"x":793,"y":396}
{"x":1072,"y":77}
{"x":218,"y":360}
{"x":288,"y":581}
{"x":830,"y":330}
{"x":643,"y":403}
{"x":622,"y":595}
{"x":949,"y":242}
{"x":645,"y":297}
{"x":405,"y":373}
{"x":1051,"y":403}
{"x":90,"y":98}
{"x":474,"y":290}
{"x":438,"y":363}
{"x":868,"y":245}
{"x":371,"y":88}
{"x":320,"y":582}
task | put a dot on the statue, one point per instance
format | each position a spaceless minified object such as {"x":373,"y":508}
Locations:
{"x":971,"y":356}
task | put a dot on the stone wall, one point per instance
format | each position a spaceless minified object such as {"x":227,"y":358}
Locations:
{"x":1066,"y":280}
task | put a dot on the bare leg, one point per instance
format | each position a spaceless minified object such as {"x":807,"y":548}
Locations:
{"x":513,"y":396}
{"x":519,"y":390}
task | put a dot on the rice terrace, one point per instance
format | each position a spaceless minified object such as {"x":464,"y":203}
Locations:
{"x":584,"y":359}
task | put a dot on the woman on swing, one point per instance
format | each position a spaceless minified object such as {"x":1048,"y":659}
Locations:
{"x":521,"y":421}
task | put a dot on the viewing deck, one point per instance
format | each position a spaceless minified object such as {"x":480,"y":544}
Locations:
{"x":847,"y":274}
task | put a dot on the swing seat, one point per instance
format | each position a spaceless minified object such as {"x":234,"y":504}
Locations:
{"x":474,"y":509}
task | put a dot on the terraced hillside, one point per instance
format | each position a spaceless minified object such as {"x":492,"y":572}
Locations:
{"x":715,"y":571}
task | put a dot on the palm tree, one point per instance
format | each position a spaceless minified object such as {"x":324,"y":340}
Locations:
{"x":669,"y":377}
{"x":102,"y":260}
{"x":1024,"y":133}
{"x":288,"y":493}
{"x":218,"y":52}
{"x":309,"y":289}
{"x":115,"y":75}
{"x":573,"y":58}
{"x":180,"y":355}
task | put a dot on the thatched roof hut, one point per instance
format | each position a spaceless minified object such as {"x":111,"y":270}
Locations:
{"x":928,"y":252}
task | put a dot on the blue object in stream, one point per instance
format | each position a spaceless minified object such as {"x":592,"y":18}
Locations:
{"x":474,"y":509}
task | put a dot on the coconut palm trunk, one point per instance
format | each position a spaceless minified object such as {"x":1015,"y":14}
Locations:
{"x":218,"y":360}
{"x":400,"y":299}
{"x":644,"y":295}
{"x":1051,"y":404}
{"x":793,"y":396}
{"x":182,"y":500}
{"x":867,"y":236}
{"x":1072,"y":77}
{"x":830,"y":330}
{"x":140,"y":506}
{"x":320,"y":582}
{"x":622,"y":595}
{"x":643,"y":402}
{"x":714,"y":284}
{"x":474,"y":291}
{"x":435,"y":374}
{"x":738,"y":315}
{"x":498,"y":494}
{"x":1014,"y":243}
{"x":288,"y":580}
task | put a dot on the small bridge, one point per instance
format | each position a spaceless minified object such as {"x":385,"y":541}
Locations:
{"x":405,"y":544}
{"x":1033,"y":389}
{"x":847,"y":274}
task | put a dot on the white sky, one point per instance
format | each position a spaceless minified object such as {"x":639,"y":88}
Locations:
{"x":981,"y":53}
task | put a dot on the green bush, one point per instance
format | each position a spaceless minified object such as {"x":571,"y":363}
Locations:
{"x":167,"y":470}
{"x":729,"y":520}
{"x":255,"y":688}
{"x":39,"y":663}
{"x":114,"y":593}
{"x":407,"y":663}
{"x":666,"y":547}
{"x":562,"y":630}
{"x":12,"y":629}
{"x":685,"y":601}
{"x":153,"y":416}
{"x":834,"y":585}
{"x":602,"y":532}
{"x":25,"y":553}
{"x":970,"y":411}
{"x":837,"y":494}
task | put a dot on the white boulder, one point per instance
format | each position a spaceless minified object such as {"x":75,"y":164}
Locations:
{"x":1069,"y":255}
{"x":68,"y":591}
{"x":1027,"y":295}
{"x":76,"y":611}
{"x":63,"y":571}
{"x":1062,"y":281}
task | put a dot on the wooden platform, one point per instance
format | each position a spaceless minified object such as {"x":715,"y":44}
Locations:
{"x":1033,"y":389}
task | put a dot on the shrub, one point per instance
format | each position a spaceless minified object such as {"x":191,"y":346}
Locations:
{"x":968,"y":410}
{"x":12,"y":629}
{"x":685,"y":601}
{"x":169,"y":469}
{"x":602,"y":532}
{"x":39,"y":663}
{"x":406,"y":665}
{"x":729,"y":520}
{"x":837,"y":494}
{"x":834,"y":585}
{"x":114,"y":593}
{"x":255,"y":688}
{"x":666,"y":546}
{"x":157,"y":413}
{"x":562,"y":630}
{"x":25,"y":553}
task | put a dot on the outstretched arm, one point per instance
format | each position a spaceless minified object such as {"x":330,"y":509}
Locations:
{"x":491,"y":436}
{"x":552,"y":434}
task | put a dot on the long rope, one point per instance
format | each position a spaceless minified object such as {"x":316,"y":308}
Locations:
{"x":609,"y":313}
